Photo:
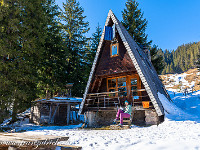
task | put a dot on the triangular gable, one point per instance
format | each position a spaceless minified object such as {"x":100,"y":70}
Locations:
{"x":142,"y":64}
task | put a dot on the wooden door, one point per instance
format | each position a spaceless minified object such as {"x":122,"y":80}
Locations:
{"x":134,"y":86}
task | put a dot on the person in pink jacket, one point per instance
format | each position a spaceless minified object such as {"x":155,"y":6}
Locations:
{"x":123,"y":114}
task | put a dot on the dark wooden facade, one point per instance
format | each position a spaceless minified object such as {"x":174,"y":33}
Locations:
{"x":117,"y":67}
{"x":110,"y":65}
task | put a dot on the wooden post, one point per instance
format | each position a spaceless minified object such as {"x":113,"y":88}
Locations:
{"x":39,"y":114}
{"x":72,"y":117}
{"x":50,"y":112}
{"x":104,"y":101}
{"x":68,"y":113}
{"x":139,"y":86}
{"x":98,"y":101}
{"x":77,"y":113}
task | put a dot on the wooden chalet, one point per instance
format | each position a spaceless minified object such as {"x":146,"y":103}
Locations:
{"x":121,"y":70}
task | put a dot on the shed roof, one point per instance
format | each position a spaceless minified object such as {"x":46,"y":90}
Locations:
{"x":144,"y":67}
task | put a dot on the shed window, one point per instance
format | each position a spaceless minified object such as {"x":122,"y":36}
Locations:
{"x":114,"y":50}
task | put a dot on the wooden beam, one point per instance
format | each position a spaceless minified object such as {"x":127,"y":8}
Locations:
{"x":68,"y":113}
{"x":93,"y":85}
{"x":100,"y":80}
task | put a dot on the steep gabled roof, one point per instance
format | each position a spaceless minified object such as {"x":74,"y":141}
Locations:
{"x":144,"y":67}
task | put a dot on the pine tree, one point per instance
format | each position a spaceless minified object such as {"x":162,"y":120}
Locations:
{"x":52,"y":67}
{"x":198,"y":62}
{"x":32,"y":53}
{"x":94,"y":44}
{"x":135,"y":24}
{"x":183,"y":58}
{"x":74,"y":29}
{"x":168,"y":69}
{"x":19,"y":53}
{"x":157,"y":59}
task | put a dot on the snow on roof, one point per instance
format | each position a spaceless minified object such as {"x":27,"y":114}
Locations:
{"x":62,"y":99}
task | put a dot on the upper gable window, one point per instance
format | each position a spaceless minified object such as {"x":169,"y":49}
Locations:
{"x":114,"y":49}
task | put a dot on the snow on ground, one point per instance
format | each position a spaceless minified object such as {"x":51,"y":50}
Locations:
{"x":180,"y":130}
{"x":189,"y":103}
{"x":171,"y":110}
{"x":168,"y":135}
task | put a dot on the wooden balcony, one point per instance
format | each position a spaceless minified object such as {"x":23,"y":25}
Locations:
{"x":102,"y":101}
{"x":111,"y":101}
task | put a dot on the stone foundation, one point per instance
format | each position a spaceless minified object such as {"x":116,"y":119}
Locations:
{"x":105,"y":118}
{"x":146,"y":117}
{"x":138,"y":117}
{"x":100,"y":118}
{"x":151,"y":117}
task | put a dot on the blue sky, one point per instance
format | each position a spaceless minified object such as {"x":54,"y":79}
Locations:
{"x":170,"y":22}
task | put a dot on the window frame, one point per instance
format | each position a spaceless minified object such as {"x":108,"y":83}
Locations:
{"x":116,"y":87}
{"x":117,"y":44}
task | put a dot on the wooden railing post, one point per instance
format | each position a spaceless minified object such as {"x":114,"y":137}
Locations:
{"x":104,"y":101}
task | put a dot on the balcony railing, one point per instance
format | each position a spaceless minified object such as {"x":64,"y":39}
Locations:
{"x":102,"y":100}
{"x":105,"y":100}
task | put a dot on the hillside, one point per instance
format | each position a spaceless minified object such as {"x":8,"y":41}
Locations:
{"x":181,"y":59}
{"x":179,"y":82}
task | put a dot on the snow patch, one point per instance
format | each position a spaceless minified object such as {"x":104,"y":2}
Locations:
{"x":172,"y":111}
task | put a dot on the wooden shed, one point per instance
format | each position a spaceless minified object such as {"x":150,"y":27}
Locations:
{"x":121,"y":70}
{"x":55,"y":111}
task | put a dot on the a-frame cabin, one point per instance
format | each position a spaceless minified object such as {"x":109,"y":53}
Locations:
{"x":121,"y":70}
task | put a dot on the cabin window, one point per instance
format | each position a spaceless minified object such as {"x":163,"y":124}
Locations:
{"x":134,"y":87}
{"x":117,"y":84}
{"x":111,"y":83}
{"x":114,"y":49}
{"x":125,"y":87}
{"x":121,"y":82}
